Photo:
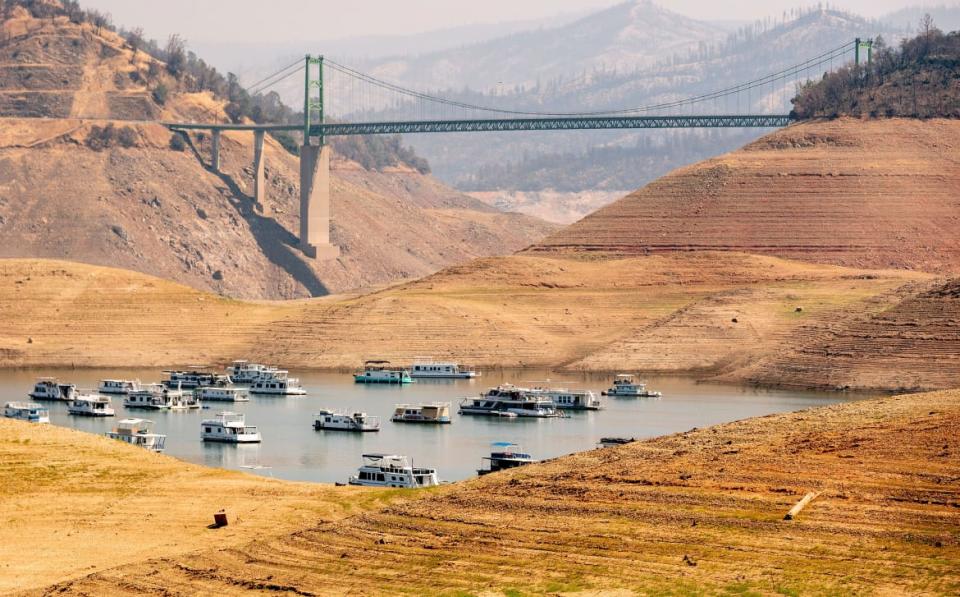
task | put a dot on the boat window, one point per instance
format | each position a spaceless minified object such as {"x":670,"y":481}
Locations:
{"x":381,"y":477}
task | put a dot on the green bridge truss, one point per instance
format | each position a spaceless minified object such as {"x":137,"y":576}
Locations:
{"x":513,"y":124}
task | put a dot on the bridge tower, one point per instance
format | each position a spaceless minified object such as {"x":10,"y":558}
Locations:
{"x":315,"y":170}
{"x":859,"y":45}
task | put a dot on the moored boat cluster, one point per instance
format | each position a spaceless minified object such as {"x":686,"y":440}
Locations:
{"x":186,"y":390}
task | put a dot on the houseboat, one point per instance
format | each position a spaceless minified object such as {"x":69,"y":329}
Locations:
{"x":504,"y":455}
{"x":390,"y":470}
{"x":332,"y":421}
{"x":194,"y":378}
{"x":278,"y":383}
{"x":157,"y":397}
{"x":436,"y":413}
{"x":246,"y":373}
{"x":229,"y":428}
{"x":512,"y":400}
{"x":228,"y":394}
{"x":625,"y":387}
{"x":26,"y":411}
{"x":91,"y":405}
{"x":48,"y":388}
{"x":427,"y":369}
{"x":381,"y":372}
{"x":118,"y":386}
{"x":138,"y":432}
{"x":571,"y":399}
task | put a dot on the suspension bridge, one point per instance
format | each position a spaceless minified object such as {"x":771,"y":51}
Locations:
{"x":339,"y":100}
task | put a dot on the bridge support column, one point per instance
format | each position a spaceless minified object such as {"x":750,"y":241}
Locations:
{"x":259,"y":181}
{"x":215,"y":152}
{"x":315,"y":203}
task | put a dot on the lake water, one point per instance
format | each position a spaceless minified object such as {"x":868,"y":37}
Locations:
{"x":291,"y":449}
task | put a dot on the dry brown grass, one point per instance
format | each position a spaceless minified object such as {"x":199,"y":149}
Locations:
{"x":694,"y":513}
{"x":72,"y":503}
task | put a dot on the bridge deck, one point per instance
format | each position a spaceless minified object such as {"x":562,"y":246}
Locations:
{"x":502,"y":125}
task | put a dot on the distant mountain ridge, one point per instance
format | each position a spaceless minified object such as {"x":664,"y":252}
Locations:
{"x":625,"y":37}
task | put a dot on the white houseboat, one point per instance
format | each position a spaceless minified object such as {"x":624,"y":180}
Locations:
{"x":278,"y":383}
{"x":504,"y":455}
{"x":194,"y":378}
{"x":391,"y":470}
{"x":436,"y":413}
{"x":157,"y":397}
{"x":624,"y":386}
{"x":118,"y":386}
{"x":571,"y":399}
{"x":91,"y":405}
{"x":48,"y":388}
{"x":333,"y":421}
{"x":381,"y":372}
{"x":26,"y":411}
{"x":138,"y":432}
{"x":247,"y":373}
{"x":229,"y":428}
{"x":228,"y":394}
{"x":512,"y":400}
{"x":428,"y":369}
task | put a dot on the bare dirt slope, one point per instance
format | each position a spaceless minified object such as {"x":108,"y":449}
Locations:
{"x":909,"y":343}
{"x":861,"y":193}
{"x":700,"y":512}
{"x":708,"y":313}
{"x":72,"y":503}
{"x":138,"y":204}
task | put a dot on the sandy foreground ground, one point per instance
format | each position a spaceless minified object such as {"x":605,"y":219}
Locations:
{"x":691,"y":513}
{"x":72,"y":503}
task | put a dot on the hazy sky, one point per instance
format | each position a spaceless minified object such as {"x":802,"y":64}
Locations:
{"x":212,"y":21}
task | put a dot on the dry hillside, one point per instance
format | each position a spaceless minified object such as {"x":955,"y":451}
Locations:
{"x":860,"y":193}
{"x":132,"y":201}
{"x":700,"y":512}
{"x":741,"y":317}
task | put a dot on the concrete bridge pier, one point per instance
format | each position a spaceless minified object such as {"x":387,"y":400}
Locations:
{"x":315,"y":203}
{"x":259,"y":181}
{"x":215,"y":151}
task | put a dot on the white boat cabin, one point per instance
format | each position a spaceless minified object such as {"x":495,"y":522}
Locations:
{"x":228,"y":394}
{"x":229,"y":428}
{"x":118,"y":386}
{"x":246,"y":373}
{"x":437,"y":412}
{"x":26,"y":411}
{"x":427,"y":369}
{"x":48,"y":388}
{"x":391,"y":470}
{"x":334,"y":421}
{"x":91,"y":405}
{"x":278,"y":383}
{"x":138,"y":432}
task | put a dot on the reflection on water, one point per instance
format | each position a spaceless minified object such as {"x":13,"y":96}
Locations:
{"x":291,"y":449}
